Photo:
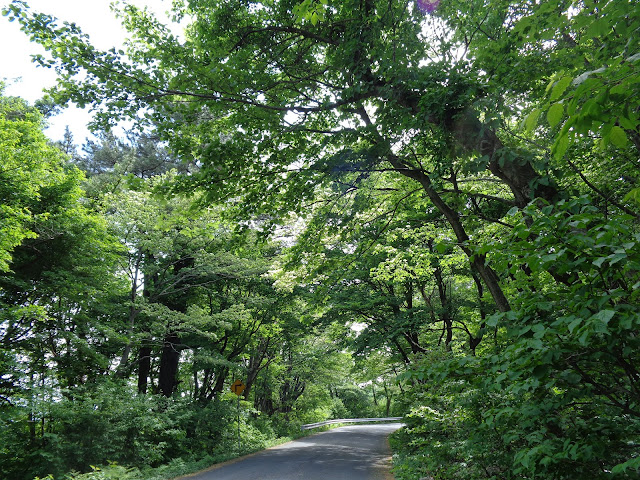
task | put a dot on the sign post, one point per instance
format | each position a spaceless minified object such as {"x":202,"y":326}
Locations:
{"x":238,"y":387}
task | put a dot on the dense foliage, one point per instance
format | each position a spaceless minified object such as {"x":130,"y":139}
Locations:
{"x":446,"y":190}
{"x":126,"y":316}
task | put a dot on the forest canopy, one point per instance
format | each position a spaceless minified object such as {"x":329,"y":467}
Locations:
{"x":440,"y":197}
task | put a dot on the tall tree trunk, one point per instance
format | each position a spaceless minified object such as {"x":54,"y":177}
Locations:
{"x":221,"y":376}
{"x":447,"y":319}
{"x":169,"y":360}
{"x":290,"y":391}
{"x":516,"y":172}
{"x":171,"y":345}
{"x":121,"y":371}
{"x":388,"y":397}
{"x":256,"y":364}
{"x":263,"y":398}
{"x":475,"y":341}
{"x":144,"y":368}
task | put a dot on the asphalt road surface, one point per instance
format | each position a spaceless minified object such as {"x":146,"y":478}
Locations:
{"x":357,"y":452}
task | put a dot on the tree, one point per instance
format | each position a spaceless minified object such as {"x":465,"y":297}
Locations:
{"x":62,"y":257}
{"x":58,"y":277}
{"x":29,"y":165}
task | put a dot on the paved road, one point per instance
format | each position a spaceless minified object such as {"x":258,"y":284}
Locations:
{"x":357,"y":452}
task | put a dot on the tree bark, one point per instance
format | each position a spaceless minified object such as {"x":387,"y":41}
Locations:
{"x":446,"y":308}
{"x":516,"y":172}
{"x":121,"y":371}
{"x":256,"y":364}
{"x":169,"y":364}
{"x":171,"y":345}
{"x":475,"y":341}
{"x":144,"y":368}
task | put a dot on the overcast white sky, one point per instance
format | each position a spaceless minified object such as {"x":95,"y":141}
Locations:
{"x":26,"y":80}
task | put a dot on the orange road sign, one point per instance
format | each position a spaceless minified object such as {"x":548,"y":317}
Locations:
{"x":238,"y":387}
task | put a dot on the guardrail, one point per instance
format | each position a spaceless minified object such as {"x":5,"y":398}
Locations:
{"x":349,"y":420}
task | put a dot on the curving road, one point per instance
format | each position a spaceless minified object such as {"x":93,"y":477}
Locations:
{"x":357,"y":452}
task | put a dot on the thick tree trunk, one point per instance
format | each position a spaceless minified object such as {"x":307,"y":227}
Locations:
{"x":471,"y":136}
{"x":290,"y":391}
{"x":256,"y":364}
{"x":516,"y":172}
{"x":221,"y":376}
{"x":171,"y":345}
{"x":478,"y":261}
{"x":263,"y":398}
{"x":169,"y":364}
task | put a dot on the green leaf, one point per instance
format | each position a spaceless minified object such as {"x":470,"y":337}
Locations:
{"x":545,"y":306}
{"x":539,"y":330}
{"x":604,"y":315}
{"x":574,"y":324}
{"x":531,"y":120}
{"x":598,"y":29}
{"x":560,"y":147}
{"x":620,"y":89}
{"x":618,"y":137}
{"x":555,"y":114}
{"x":627,"y":123}
{"x":616,"y":257}
{"x":583,"y":338}
{"x":633,"y":464}
{"x":572,"y":378}
{"x":633,"y":195}
{"x":560,"y":87}
{"x":493,"y":320}
{"x":535,"y":343}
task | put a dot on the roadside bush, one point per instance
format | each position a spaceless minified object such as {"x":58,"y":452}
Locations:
{"x":557,"y":394}
{"x":110,"y":472}
{"x":112,"y":423}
